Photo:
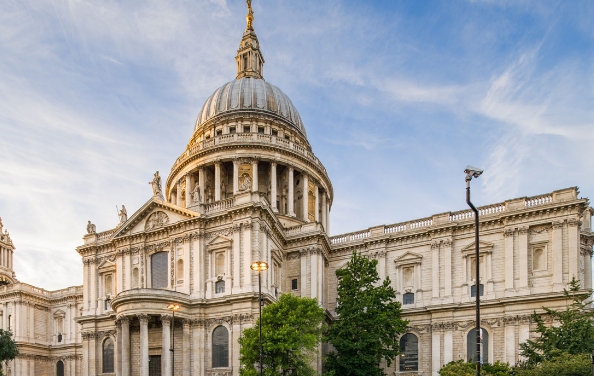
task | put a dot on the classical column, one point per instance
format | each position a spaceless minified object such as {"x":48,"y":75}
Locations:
{"x":435,"y":271}
{"x":573,"y":251}
{"x":509,"y":262}
{"x":254,"y":175}
{"x":93,"y":295}
{"x":198,"y":347}
{"x":305,"y":197}
{"x":435,"y":352}
{"x":587,"y":268}
{"x":125,"y":348}
{"x":201,"y":181}
{"x":144,"y":357}
{"x":324,"y":217}
{"x":314,"y":273}
{"x":447,"y":272}
{"x":510,"y":343}
{"x":523,"y":260}
{"x":235,"y":176}
{"x":304,"y":274}
{"x":291,"y":197}
{"x":118,"y":352}
{"x":178,"y":193}
{"x":186,"y":348}
{"x":448,"y":346}
{"x":328,"y":216}
{"x":316,"y":204}
{"x":188,"y":189}
{"x":273,"y":199}
{"x":558,"y":256}
{"x":218,"y":180}
{"x":166,"y":345}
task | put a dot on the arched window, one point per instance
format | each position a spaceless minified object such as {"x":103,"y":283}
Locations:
{"x":108,"y":356}
{"x":220,"y":347}
{"x":409,"y":352}
{"x":108,"y":285}
{"x":408,"y":298}
{"x":60,"y":368}
{"x":180,"y":269}
{"x":220,"y":287}
{"x":159,"y":270}
{"x":135,"y":278}
{"x":471,"y":345}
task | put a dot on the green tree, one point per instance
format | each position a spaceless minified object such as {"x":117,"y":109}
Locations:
{"x":291,"y":332}
{"x":573,"y":335}
{"x":8,"y":348}
{"x":369,"y":321}
{"x":563,"y":364}
{"x":462,"y":368}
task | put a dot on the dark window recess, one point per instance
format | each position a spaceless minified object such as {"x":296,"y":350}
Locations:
{"x":287,"y":137}
{"x":409,"y":352}
{"x":220,"y":347}
{"x":159,"y":270}
{"x":246,"y":129}
{"x":220,"y":287}
{"x":408,"y":298}
{"x":260,"y":129}
{"x":108,"y":354}
{"x":232,"y":130}
{"x":278,"y":205}
{"x":60,"y":337}
{"x":473,"y":290}
{"x":274,"y":132}
{"x":60,"y":368}
{"x":107,"y":304}
{"x":471,"y":345}
{"x":155,"y":365}
{"x":294,"y":284}
{"x":219,"y":132}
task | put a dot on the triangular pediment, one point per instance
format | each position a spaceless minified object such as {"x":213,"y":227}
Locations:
{"x":483,"y":247}
{"x":106,"y":265}
{"x":153,"y":215}
{"x":219,"y":241}
{"x":408,"y":257}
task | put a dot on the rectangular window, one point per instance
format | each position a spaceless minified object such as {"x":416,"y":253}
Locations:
{"x":231,"y":130}
{"x":274,"y":132}
{"x":408,"y":298}
{"x":246,"y":129}
{"x":294,"y":284}
{"x":473,"y":290}
{"x":219,"y":132}
{"x":260,"y":129}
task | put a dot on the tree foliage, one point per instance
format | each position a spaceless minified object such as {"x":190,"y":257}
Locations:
{"x":573,"y":335}
{"x":369,"y":322}
{"x":8,"y":348}
{"x":291,"y":332}
{"x":563,"y":364}
{"x":462,"y":368}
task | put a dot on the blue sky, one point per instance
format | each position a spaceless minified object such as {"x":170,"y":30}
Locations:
{"x":397,"y":98}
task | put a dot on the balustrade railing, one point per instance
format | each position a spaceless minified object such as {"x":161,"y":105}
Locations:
{"x":105,"y":235}
{"x":538,"y":200}
{"x":219,"y":205}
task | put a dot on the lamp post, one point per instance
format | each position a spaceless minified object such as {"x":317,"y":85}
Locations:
{"x":173,"y":307}
{"x":260,"y":266}
{"x":473,"y":172}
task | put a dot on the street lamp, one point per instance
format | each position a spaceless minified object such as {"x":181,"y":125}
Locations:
{"x":173,"y":307}
{"x":473,"y":172}
{"x":260,"y":266}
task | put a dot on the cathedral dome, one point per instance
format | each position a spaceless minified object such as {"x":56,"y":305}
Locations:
{"x":250,"y":93}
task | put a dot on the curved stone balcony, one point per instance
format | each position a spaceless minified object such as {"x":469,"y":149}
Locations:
{"x":155,"y":301}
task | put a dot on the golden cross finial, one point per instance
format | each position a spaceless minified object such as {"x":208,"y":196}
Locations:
{"x":250,"y":16}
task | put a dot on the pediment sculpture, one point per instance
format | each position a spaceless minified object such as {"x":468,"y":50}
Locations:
{"x":156,"y":220}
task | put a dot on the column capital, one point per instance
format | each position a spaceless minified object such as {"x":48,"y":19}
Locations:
{"x":166,"y":319}
{"x":186,"y":323}
{"x":254,"y":160}
{"x":217,"y":162}
{"x":143,"y":318}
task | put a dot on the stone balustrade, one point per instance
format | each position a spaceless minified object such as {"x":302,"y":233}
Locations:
{"x":218,"y":206}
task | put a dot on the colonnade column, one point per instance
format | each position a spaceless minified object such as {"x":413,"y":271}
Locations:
{"x":166,"y":345}
{"x":255,"y":175}
{"x":178,"y":193}
{"x":218,"y":180}
{"x":144,"y":357}
{"x":523,"y":260}
{"x":118,"y":352}
{"x":201,"y":182}
{"x":235,"y":177}
{"x":509,"y":262}
{"x":305,"y":197}
{"x":273,"y":187}
{"x":328,"y":216}
{"x":125,"y":345}
{"x":324,"y":217}
{"x":291,"y":197}
{"x":316,"y":204}
{"x":186,"y":348}
{"x":188,"y":189}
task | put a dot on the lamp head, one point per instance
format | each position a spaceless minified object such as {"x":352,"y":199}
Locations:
{"x":259,"y":266}
{"x":173,"y":307}
{"x":472,"y":172}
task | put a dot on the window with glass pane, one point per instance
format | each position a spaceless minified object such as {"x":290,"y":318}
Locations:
{"x":471,"y":346}
{"x":473,"y":290}
{"x":408,"y":298}
{"x":409,"y":352}
{"x":159,"y":270}
{"x":60,"y":368}
{"x":220,"y":287}
{"x":220,"y":347}
{"x":108,"y":356}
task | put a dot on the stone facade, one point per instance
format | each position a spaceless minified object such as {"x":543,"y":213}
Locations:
{"x":175,"y":275}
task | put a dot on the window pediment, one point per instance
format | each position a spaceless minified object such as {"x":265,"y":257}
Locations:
{"x":484,"y":247}
{"x":221,"y":241}
{"x":409,"y":258}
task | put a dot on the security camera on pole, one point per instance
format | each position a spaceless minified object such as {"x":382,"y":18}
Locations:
{"x":473,"y":172}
